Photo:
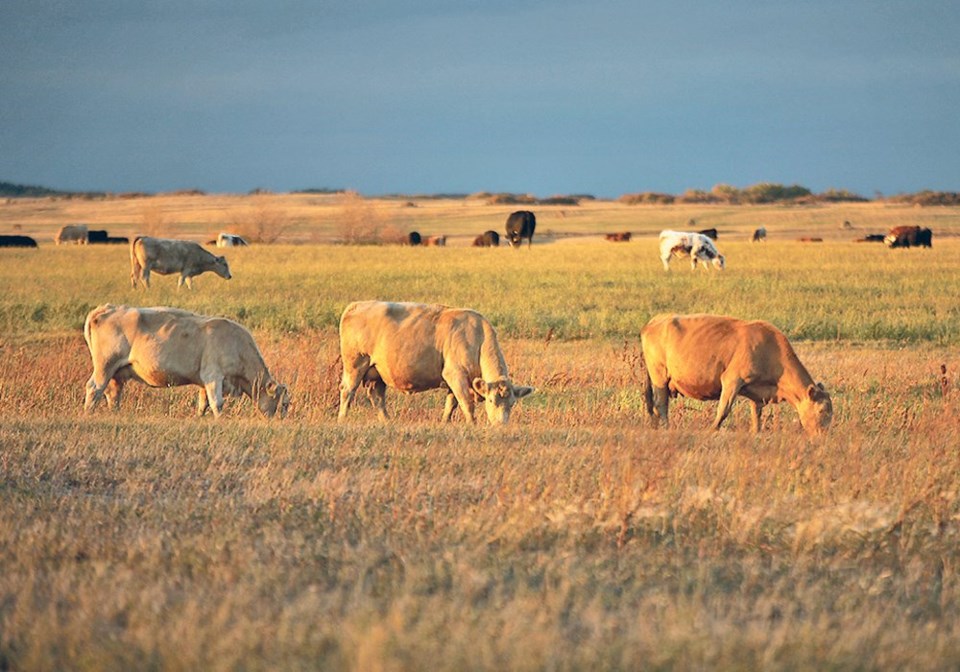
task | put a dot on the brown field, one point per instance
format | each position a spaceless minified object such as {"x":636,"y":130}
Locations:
{"x":575,"y":538}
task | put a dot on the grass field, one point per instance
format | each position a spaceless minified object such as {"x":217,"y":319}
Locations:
{"x":575,"y":538}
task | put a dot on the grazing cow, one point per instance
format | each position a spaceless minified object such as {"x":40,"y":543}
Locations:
{"x":709,"y":357}
{"x":622,"y":237}
{"x":117,"y":240}
{"x":759,"y":235}
{"x":415,"y":347}
{"x":697,"y":246}
{"x":810,"y":240}
{"x":909,"y":236}
{"x":95,"y":236}
{"x":871,"y":238}
{"x":166,"y":256}
{"x":487,"y":239}
{"x":413,"y":238}
{"x":166,"y":347}
{"x":521,"y":224}
{"x":72,"y":233}
{"x":435,"y":241}
{"x":709,"y":233}
{"x":230,"y":240}
{"x":17,"y":241}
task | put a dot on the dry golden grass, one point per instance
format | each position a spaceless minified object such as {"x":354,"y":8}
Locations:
{"x":575,"y":538}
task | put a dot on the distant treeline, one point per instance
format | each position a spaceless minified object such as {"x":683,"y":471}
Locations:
{"x":761,"y":193}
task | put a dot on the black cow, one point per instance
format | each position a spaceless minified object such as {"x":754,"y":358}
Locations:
{"x":487,"y":239}
{"x":117,"y":240}
{"x":95,"y":236}
{"x":521,"y":224}
{"x":909,"y":236}
{"x":17,"y":241}
{"x":413,"y":238}
{"x":709,"y":233}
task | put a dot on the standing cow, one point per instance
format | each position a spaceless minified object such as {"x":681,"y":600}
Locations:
{"x":415,"y":347}
{"x":230,"y":240}
{"x":487,"y":239}
{"x":72,"y":233}
{"x":521,"y":224}
{"x":166,"y":347}
{"x":166,"y":256}
{"x":710,"y":357}
{"x":909,"y":236}
{"x":696,"y":246}
{"x":759,"y":235}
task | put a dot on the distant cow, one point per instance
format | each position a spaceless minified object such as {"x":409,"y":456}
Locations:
{"x":17,"y":241}
{"x":166,"y":256}
{"x":117,"y":240}
{"x":759,"y":235}
{"x":871,"y":238}
{"x":166,"y":347}
{"x":709,"y":233}
{"x":709,"y":357}
{"x":435,"y":241}
{"x":72,"y":233}
{"x":487,"y":239}
{"x":909,"y":236}
{"x":413,"y":238}
{"x":807,"y":239}
{"x":96,"y":236}
{"x":415,"y":347}
{"x":230,"y":240}
{"x":521,"y":224}
{"x":696,"y":246}
{"x":622,"y":237}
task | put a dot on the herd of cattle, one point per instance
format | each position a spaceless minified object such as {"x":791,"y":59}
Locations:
{"x":413,"y":347}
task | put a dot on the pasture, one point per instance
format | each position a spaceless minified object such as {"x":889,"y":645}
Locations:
{"x":574,"y":538}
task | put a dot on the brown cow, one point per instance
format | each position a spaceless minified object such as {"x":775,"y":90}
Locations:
{"x":166,"y":256}
{"x":414,"y":347}
{"x":709,"y":357}
{"x":487,"y":239}
{"x":622,"y":237}
{"x":166,"y":347}
{"x":435,"y":241}
{"x":909,"y":236}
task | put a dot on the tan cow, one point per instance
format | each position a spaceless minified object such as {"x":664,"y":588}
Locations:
{"x":166,"y":256}
{"x":72,"y":233}
{"x":414,"y":347}
{"x":166,"y":347}
{"x":710,"y":357}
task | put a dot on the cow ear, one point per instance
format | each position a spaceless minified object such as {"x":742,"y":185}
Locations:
{"x":480,"y":387}
{"x":816,"y":392}
{"x":221,"y":258}
{"x":522,"y":391}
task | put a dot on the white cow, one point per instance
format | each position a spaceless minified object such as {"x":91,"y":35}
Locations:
{"x":166,"y":347}
{"x":414,"y":347}
{"x":230,"y":240}
{"x":689,"y":244}
{"x":72,"y":233}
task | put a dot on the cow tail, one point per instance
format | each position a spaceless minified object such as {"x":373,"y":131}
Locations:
{"x":135,"y":267}
{"x":647,"y":391}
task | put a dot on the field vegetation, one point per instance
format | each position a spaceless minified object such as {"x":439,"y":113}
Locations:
{"x":575,"y":538}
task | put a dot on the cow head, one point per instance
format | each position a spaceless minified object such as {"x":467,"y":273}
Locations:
{"x":815,"y":409}
{"x":499,"y":396}
{"x":274,"y":400}
{"x":221,"y":268}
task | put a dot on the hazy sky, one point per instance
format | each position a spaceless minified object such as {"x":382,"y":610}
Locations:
{"x":422,"y":96}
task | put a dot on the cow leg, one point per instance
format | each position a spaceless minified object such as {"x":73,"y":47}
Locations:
{"x":728,"y":393}
{"x":450,"y":406}
{"x":377,"y":393}
{"x":661,"y":406}
{"x":460,"y":389}
{"x":145,"y":276}
{"x":353,"y":373}
{"x":666,"y":262}
{"x":756,"y":412}
{"x":113,"y":392}
{"x":214,"y":390}
{"x":202,"y":403}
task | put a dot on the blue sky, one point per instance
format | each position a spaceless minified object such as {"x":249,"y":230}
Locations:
{"x":603,"y":97}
